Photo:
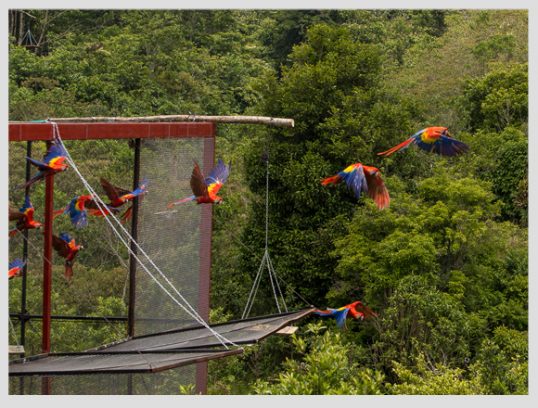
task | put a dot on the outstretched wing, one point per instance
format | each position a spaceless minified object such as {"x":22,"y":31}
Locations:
{"x":219,"y":173}
{"x":141,"y":189}
{"x":217,"y":178}
{"x":447,"y":146}
{"x":54,"y":154}
{"x":365,"y":310}
{"x":376,"y":188}
{"x":198,"y":183}
{"x":37,"y":163}
{"x":15,"y":214}
{"x":354,"y":178}
{"x":112,"y":192}
{"x":60,"y":246}
{"x":339,"y":314}
{"x":17,"y":263}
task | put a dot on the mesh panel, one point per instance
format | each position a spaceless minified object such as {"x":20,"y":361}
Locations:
{"x":163,"y":383}
{"x":178,"y":242}
{"x":173,"y":239}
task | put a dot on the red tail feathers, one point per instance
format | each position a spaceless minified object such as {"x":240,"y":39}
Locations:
{"x":183,"y":200}
{"x":394,"y":149}
{"x":127,"y":214}
{"x":55,"y":213}
{"x":68,"y":274}
{"x":331,"y":180}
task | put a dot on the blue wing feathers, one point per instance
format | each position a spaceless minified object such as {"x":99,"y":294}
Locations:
{"x":220,"y":172}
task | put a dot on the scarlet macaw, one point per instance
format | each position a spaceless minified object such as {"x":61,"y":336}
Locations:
{"x":66,"y":247}
{"x":205,"y":189}
{"x":24,"y":217}
{"x":435,"y":139}
{"x":359,"y":178}
{"x":15,"y":268}
{"x":77,"y":210}
{"x":53,"y":162}
{"x":356,"y":310}
{"x":118,"y":196}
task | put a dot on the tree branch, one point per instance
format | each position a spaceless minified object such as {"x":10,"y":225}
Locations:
{"x":256,"y":120}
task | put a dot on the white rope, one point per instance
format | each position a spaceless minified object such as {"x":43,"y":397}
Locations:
{"x":101,"y":205}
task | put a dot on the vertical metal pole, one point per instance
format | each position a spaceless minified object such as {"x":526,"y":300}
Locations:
{"x":134,"y":234}
{"x":25,"y":268}
{"x":132,"y":260}
{"x":47,"y":271}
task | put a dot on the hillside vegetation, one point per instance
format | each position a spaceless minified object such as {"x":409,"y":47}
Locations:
{"x":445,"y":266}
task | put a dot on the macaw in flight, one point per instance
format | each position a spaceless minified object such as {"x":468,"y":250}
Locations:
{"x":118,"y":196}
{"x":77,"y":209}
{"x":15,"y":268}
{"x":66,"y":247}
{"x":356,"y":310}
{"x":359,"y":178}
{"x":52,"y":163}
{"x":205,"y":189}
{"x":24,"y":217}
{"x":435,"y":139}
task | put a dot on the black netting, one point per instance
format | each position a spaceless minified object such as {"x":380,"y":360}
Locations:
{"x":178,"y":242}
{"x":162,"y":383}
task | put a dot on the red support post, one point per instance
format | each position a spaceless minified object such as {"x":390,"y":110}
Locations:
{"x":47,"y":273}
{"x":204,"y":285}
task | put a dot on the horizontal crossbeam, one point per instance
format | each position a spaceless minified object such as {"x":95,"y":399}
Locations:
{"x":28,"y":131}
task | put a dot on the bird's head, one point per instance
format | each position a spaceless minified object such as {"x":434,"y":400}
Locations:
{"x":218,"y":200}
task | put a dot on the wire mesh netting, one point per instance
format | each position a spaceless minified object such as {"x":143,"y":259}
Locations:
{"x":175,"y":239}
{"x":99,"y":286}
{"x":166,"y":382}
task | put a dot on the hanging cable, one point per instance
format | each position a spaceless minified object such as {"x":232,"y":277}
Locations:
{"x":266,"y":259}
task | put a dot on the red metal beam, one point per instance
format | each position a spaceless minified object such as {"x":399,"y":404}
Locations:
{"x":24,"y":131}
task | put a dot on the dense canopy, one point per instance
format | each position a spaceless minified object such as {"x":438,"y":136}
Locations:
{"x":444,"y":267}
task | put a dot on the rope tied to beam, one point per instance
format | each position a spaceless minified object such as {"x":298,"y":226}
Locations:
{"x":101,"y":205}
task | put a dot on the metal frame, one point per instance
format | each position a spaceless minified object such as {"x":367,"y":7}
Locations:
{"x":43,"y":131}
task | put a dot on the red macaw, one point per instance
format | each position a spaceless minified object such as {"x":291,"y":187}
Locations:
{"x":356,"y":310}
{"x":66,"y":247}
{"x":15,"y":268}
{"x":119,"y":196}
{"x":359,"y":178}
{"x":53,"y":162}
{"x":205,"y":189}
{"x":77,"y":210}
{"x":435,"y":139}
{"x":24,"y":217}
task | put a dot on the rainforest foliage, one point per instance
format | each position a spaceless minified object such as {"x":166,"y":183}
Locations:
{"x":445,"y":266}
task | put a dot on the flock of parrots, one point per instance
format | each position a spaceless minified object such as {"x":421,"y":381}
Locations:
{"x":358,"y":177}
